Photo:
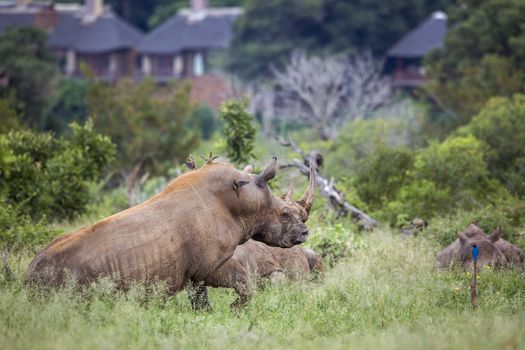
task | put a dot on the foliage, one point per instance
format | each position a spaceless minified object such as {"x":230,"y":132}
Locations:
{"x":148,"y":124}
{"x":19,"y":231}
{"x":359,"y":138}
{"x":483,"y":56}
{"x":49,"y":176}
{"x":8,"y":113}
{"x":67,"y":105}
{"x":500,"y":124}
{"x":238,"y":130}
{"x":30,"y":68}
{"x":381,"y":174}
{"x":446,"y":177}
{"x":269,"y":31}
{"x":203,"y":119}
{"x":334,"y":243}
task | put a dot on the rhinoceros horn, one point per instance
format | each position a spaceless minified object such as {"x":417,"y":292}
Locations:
{"x":307,"y":199}
{"x":289,"y":194}
{"x":267,"y":174}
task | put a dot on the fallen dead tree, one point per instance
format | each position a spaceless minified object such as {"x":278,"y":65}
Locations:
{"x":327,"y":188}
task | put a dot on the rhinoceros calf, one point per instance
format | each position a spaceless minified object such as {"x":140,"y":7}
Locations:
{"x":262,"y":261}
{"x":493,"y":249}
{"x":187,"y":232}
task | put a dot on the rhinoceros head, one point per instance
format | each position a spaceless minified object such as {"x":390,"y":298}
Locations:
{"x":489,"y":254}
{"x":281,"y":222}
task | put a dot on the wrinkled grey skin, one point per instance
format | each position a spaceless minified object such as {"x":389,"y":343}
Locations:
{"x":493,"y":250}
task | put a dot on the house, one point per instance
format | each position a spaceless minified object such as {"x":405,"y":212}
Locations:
{"x":181,"y":47}
{"x":89,"y":34}
{"x":405,"y":58}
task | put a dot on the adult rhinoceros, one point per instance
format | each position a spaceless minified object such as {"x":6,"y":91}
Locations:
{"x":187,"y":232}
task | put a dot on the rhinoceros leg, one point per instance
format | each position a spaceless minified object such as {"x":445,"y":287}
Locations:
{"x":231,"y":274}
{"x":198,"y":295}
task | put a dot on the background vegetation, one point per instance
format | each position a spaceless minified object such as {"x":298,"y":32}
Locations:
{"x":453,"y":152}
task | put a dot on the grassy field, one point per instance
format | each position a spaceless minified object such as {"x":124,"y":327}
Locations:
{"x":387,"y":294}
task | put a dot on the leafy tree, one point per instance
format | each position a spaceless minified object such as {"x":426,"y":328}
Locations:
{"x":30,"y":68}
{"x":48,"y":176}
{"x":483,"y":56}
{"x":203,"y":119}
{"x":67,"y":105}
{"x":239,"y":130}
{"x":148,"y":124}
{"x":446,"y":177}
{"x":500,"y":124}
{"x":8,"y":113}
{"x":380,"y":175}
{"x":374,"y":24}
{"x":269,"y":31}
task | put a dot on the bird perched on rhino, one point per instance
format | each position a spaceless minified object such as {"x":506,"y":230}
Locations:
{"x":188,"y":232}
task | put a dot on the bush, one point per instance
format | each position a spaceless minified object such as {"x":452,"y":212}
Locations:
{"x":446,"y":177}
{"x":68,"y":105}
{"x":147,"y":123}
{"x":18,"y":230}
{"x":48,"y":177}
{"x":202,"y":118}
{"x":500,"y":124}
{"x":334,"y":243}
{"x":239,"y":130}
{"x":381,"y":174}
{"x":359,"y":138}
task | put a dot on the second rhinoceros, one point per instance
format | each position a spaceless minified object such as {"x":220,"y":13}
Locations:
{"x":493,"y":249}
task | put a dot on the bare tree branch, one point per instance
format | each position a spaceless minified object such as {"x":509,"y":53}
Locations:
{"x":324,"y":93}
{"x":327,"y":188}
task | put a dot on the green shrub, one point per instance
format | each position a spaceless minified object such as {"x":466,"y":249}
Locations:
{"x":147,"y":123}
{"x":500,"y":124}
{"x":239,"y":130}
{"x":202,"y":118}
{"x":381,"y":174}
{"x":334,"y":243}
{"x":18,"y":230}
{"x":423,"y":199}
{"x":446,"y":177}
{"x":49,"y":176}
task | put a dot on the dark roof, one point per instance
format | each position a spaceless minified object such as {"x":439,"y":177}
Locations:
{"x":182,"y":32}
{"x":425,"y":37}
{"x":15,"y":20}
{"x":106,"y":33}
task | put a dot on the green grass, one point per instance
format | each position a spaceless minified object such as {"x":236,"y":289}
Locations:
{"x":387,"y":294}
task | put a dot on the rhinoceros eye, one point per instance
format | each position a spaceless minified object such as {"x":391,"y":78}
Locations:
{"x":285,"y":213}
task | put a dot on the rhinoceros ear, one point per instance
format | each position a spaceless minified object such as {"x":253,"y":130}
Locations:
{"x":288,"y":196}
{"x":496,"y":235}
{"x":462,"y":238}
{"x":267,"y":174}
{"x":238,"y":184}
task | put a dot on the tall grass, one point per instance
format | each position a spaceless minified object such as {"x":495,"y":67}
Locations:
{"x":387,"y":294}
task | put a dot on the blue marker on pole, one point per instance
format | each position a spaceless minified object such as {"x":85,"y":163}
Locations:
{"x":475,"y":252}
